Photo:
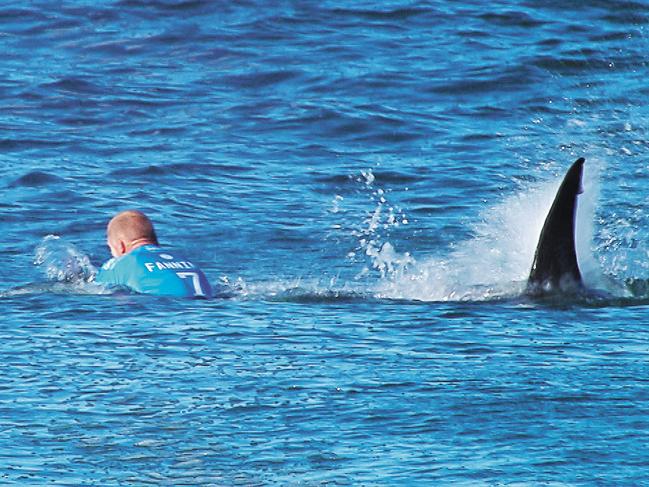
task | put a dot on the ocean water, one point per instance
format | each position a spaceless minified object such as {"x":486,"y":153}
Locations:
{"x":364,"y":182}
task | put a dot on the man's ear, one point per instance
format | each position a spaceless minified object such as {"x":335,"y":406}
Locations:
{"x":122,"y":247}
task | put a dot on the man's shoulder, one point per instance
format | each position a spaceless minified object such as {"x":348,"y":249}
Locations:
{"x":147,"y":251}
{"x":109,"y":264}
{"x":115,"y":263}
{"x":158,"y":254}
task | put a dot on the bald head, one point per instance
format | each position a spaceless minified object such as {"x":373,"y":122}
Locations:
{"x":128,"y":230}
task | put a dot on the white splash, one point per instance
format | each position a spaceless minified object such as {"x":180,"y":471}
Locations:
{"x":496,"y":261}
{"x":593,"y":273}
{"x":62,"y":261}
{"x":377,"y":223}
{"x":335,"y":204}
{"x":387,"y":260}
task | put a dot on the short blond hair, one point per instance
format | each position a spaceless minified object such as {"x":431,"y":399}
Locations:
{"x":132,"y":225}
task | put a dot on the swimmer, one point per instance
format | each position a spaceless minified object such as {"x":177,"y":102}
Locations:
{"x":141,"y":265}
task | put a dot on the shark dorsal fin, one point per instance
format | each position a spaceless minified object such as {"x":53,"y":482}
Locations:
{"x":555,"y":261}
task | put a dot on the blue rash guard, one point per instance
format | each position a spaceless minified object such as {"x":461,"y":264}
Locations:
{"x":151,"y":270}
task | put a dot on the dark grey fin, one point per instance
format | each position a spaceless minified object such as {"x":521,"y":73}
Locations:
{"x":555,"y":265}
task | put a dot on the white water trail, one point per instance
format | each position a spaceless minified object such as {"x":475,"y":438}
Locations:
{"x":496,"y":261}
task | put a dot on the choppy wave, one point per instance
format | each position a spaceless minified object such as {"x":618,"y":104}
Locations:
{"x":35,"y":179}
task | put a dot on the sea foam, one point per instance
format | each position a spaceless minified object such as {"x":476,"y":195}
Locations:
{"x":495,"y":262}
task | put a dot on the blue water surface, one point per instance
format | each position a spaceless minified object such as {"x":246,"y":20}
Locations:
{"x":364,"y":182}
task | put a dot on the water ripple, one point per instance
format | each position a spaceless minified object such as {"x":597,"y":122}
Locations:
{"x":362,"y":183}
{"x":35,"y":179}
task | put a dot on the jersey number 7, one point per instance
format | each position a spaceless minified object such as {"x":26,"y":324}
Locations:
{"x":196,"y":281}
